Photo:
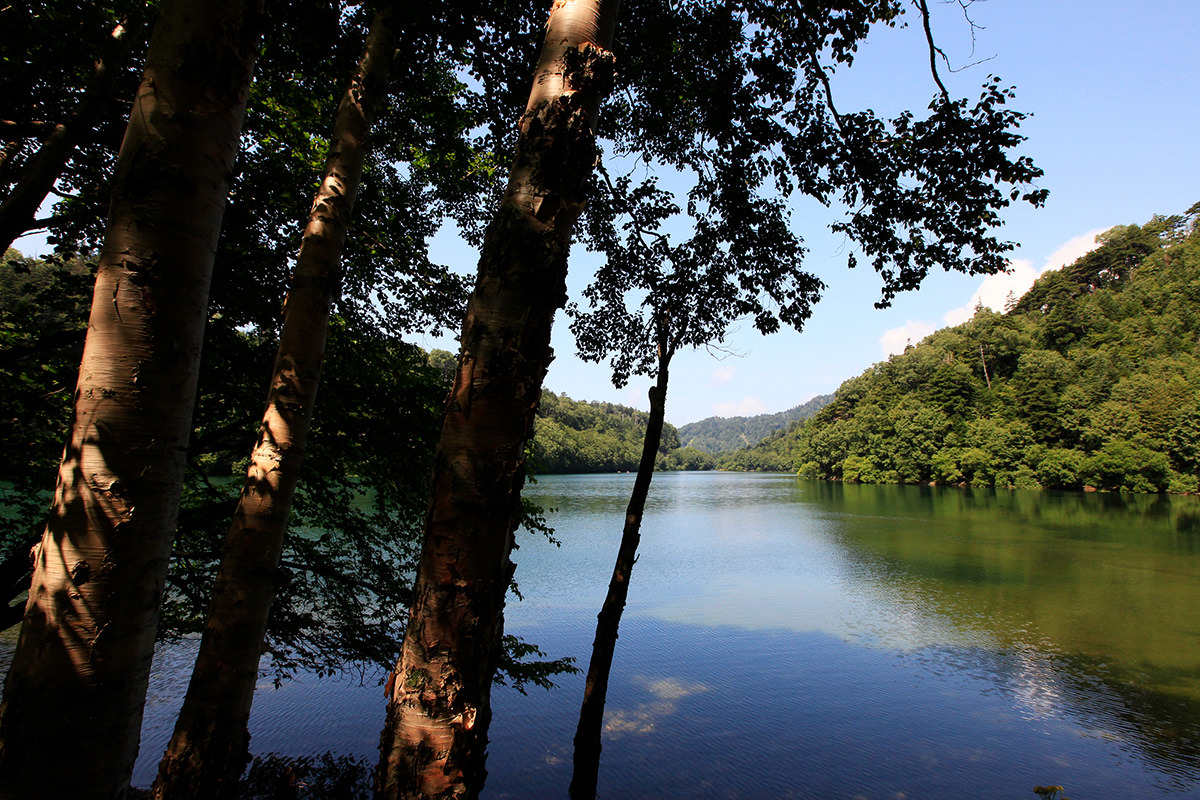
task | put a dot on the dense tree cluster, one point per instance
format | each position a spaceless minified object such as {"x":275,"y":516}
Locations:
{"x":580,"y":436}
{"x":1091,"y":379}
{"x":585,"y":436}
{"x":722,"y":434}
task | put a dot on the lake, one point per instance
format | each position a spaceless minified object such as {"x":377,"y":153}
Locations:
{"x":797,"y":639}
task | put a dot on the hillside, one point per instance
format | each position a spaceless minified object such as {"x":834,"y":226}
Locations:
{"x":722,"y":434}
{"x":580,"y":436}
{"x":1092,"y":379}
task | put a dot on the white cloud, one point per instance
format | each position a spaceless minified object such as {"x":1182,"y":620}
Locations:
{"x":1072,"y":250}
{"x":895,"y":340}
{"x":722,"y":375}
{"x":994,"y":290}
{"x":746,"y":407}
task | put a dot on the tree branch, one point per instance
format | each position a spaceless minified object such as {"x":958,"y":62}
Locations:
{"x":44,"y":168}
{"x":934,"y":50}
{"x":824,"y":78}
{"x":29,"y":129}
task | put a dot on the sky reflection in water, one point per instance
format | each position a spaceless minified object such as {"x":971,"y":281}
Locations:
{"x":794,"y":639}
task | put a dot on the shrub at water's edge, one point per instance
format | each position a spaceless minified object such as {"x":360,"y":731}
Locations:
{"x":1091,"y":379}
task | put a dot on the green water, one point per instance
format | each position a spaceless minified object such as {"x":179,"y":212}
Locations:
{"x":1107,"y":580}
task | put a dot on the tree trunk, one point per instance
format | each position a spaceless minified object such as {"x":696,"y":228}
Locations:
{"x":209,"y":749}
{"x":434,"y":741}
{"x":591,"y":712}
{"x":19,"y":209}
{"x":74,"y":695}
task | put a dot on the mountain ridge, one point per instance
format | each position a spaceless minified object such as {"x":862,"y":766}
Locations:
{"x":722,"y":434}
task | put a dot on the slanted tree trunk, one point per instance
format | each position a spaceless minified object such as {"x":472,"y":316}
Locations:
{"x":19,"y":209}
{"x":434,"y":741}
{"x":74,"y":695}
{"x":591,"y":712}
{"x":209,"y":749}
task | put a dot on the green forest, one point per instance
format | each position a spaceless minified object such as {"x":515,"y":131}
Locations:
{"x":1090,"y":380}
{"x":580,"y":436}
{"x":587,"y":436}
{"x":722,"y":434}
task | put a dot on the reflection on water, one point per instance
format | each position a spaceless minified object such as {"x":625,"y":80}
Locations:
{"x":667,"y":692}
{"x":1063,"y":623}
{"x":797,"y":639}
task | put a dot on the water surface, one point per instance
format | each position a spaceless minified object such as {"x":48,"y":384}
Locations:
{"x":787,"y":638}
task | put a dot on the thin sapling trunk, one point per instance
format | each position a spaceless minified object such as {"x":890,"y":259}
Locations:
{"x":591,"y":713}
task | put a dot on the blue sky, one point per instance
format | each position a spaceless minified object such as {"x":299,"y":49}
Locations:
{"x":1114,"y":89}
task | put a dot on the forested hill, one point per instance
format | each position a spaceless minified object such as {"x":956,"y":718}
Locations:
{"x":1091,"y":379}
{"x":579,"y":436}
{"x":721,"y":434}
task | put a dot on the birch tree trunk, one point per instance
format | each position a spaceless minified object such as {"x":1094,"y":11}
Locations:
{"x":435,"y":738}
{"x":586,"y":772}
{"x":209,"y":749}
{"x":74,"y":695}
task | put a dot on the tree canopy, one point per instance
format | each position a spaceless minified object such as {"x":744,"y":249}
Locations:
{"x":580,"y":436}
{"x":1092,"y":379}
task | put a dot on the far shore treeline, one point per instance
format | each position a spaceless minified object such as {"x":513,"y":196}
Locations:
{"x":1090,"y":380}
{"x":582,"y":436}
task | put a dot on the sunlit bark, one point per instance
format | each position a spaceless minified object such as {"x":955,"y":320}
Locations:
{"x":208,"y":750}
{"x":435,"y":738}
{"x":74,"y":695}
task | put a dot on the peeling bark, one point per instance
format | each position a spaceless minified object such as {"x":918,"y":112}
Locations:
{"x":82,"y":663}
{"x":434,"y":741}
{"x":591,"y":713}
{"x":209,"y":749}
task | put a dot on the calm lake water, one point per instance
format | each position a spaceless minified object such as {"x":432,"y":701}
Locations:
{"x":789,"y":638}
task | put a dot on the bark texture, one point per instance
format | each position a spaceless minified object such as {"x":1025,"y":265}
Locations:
{"x":586,"y":772}
{"x":209,"y":749}
{"x":434,"y":741}
{"x":74,"y":695}
{"x":19,"y":209}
